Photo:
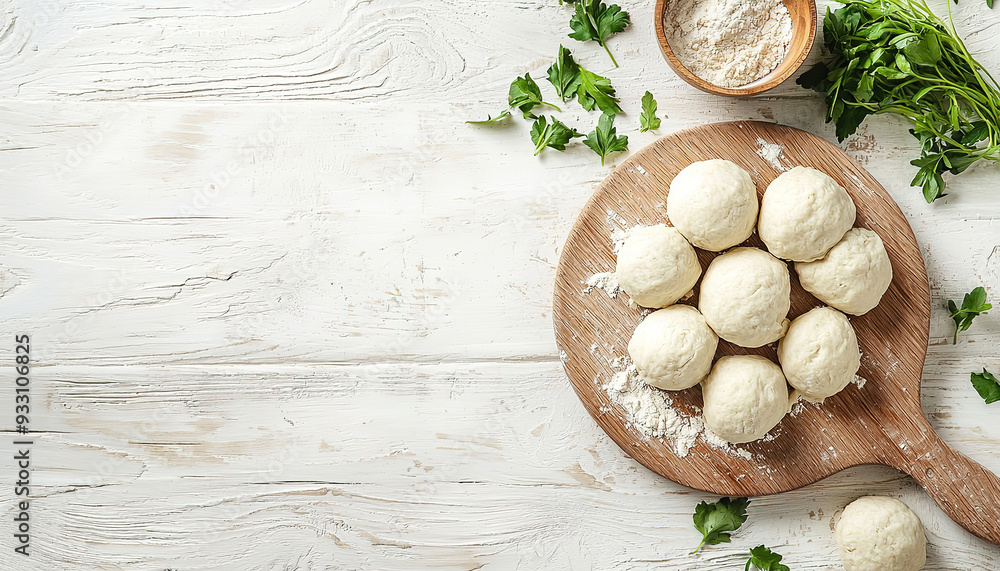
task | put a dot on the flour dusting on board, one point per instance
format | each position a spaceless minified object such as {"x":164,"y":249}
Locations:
{"x":605,"y":281}
{"x":651,"y":412}
{"x":619,"y":229}
{"x":772,"y":153}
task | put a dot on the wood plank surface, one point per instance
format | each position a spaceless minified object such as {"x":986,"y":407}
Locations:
{"x":340,"y":356}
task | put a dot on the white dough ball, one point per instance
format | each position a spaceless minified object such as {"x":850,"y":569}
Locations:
{"x":713,"y":203}
{"x":853,"y":276}
{"x":819,"y":354}
{"x":803,"y":214}
{"x":745,"y":297}
{"x":673,"y":348}
{"x":656,"y":265}
{"x":745,"y":397}
{"x":876,"y":533}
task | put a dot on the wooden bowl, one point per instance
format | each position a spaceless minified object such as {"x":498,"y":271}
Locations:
{"x":803,"y":14}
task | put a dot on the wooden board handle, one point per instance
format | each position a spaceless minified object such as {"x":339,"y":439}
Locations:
{"x":966,"y":491}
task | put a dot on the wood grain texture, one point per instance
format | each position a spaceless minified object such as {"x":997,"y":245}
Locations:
{"x":881,"y":423}
{"x":342,"y":356}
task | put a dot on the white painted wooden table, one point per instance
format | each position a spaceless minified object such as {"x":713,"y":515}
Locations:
{"x":289,"y":312}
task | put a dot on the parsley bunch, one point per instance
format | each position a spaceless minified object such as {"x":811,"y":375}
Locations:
{"x":898,"y":57}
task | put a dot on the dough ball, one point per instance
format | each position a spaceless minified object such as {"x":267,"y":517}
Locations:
{"x":819,"y":355}
{"x":803,"y":214}
{"x":713,"y":203}
{"x":854,"y":274}
{"x":745,"y":397}
{"x":745,"y":297}
{"x":656,"y":265}
{"x":876,"y":533}
{"x":673,"y":348}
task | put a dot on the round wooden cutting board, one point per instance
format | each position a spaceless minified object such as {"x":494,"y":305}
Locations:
{"x":878,"y":423}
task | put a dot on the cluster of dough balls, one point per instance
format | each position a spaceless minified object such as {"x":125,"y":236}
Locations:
{"x":745,"y":294}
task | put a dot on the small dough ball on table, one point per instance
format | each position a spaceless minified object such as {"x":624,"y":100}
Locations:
{"x":876,"y":533}
{"x":819,"y":354}
{"x":745,"y":397}
{"x":745,"y":296}
{"x":803,"y":214}
{"x":673,"y":348}
{"x":713,"y":204}
{"x":656,"y":265}
{"x":853,"y":276}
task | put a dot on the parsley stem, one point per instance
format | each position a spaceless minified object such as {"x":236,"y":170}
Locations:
{"x":609,"y":54}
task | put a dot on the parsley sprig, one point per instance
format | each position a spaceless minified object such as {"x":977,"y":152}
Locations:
{"x":591,"y":90}
{"x":648,"y":119}
{"x":555,"y":134}
{"x":973,"y":305}
{"x":716,"y":521}
{"x":597,"y":91}
{"x":603,"y":140}
{"x":490,"y":120}
{"x":764,"y":559}
{"x":564,"y":74}
{"x":595,"y":20}
{"x":987,"y":386}
{"x":524,"y":94}
{"x":898,"y":57}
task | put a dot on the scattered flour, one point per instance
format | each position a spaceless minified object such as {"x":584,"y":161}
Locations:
{"x":618,"y":239}
{"x":730,"y":43}
{"x":652,"y":413}
{"x":860,"y":381}
{"x":716,"y":441}
{"x":771,"y":153}
{"x":615,"y":220}
{"x":798,"y":407}
{"x":606,"y":281}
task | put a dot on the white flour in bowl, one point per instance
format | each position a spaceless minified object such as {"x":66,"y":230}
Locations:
{"x":730,"y":43}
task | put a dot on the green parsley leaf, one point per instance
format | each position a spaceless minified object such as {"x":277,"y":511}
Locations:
{"x":899,"y":57}
{"x":603,"y":139}
{"x":715,"y":521}
{"x":764,"y":559}
{"x":564,"y":75}
{"x":597,"y":90}
{"x":648,"y":119}
{"x":973,"y":306}
{"x":492,"y":120}
{"x":595,"y":20}
{"x":555,"y":134}
{"x":987,"y":386}
{"x":524,"y":94}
